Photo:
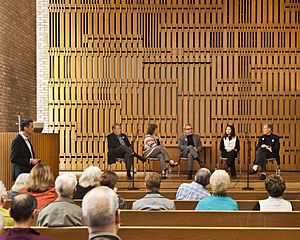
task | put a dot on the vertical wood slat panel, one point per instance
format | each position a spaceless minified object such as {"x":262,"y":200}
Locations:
{"x":140,"y":64}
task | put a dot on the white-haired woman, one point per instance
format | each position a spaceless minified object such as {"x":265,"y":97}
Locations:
{"x":89,"y":179}
{"x":22,"y":181}
{"x":219,"y":182}
{"x":8,"y":221}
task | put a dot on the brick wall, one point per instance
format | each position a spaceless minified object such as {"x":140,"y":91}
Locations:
{"x":17,"y":62}
{"x":42,"y":25}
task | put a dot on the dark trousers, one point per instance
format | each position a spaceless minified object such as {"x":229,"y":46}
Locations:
{"x":191,"y":155}
{"x":125,"y":152}
{"x":230,"y":160}
{"x":262,"y":155}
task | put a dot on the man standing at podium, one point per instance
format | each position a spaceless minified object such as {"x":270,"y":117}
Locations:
{"x":21,"y":151}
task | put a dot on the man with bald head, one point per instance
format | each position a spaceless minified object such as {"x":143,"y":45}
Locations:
{"x":101,"y":214}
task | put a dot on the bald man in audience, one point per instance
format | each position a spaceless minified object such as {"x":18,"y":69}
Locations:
{"x":153,"y":200}
{"x":63,"y":212}
{"x":101,"y":213}
{"x":23,"y":210}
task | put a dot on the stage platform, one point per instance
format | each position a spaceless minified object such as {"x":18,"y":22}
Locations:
{"x":173,"y":181}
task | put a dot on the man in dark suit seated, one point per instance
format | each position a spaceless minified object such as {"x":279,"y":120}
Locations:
{"x":268,"y":147}
{"x":120,"y":147}
{"x":190,"y":148}
{"x":21,"y":151}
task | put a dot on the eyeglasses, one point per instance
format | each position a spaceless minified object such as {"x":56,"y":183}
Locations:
{"x":189,"y":129}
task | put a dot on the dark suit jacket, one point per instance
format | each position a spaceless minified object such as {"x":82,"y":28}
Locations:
{"x":20,"y":156}
{"x":113,"y":144}
{"x":273,"y":141}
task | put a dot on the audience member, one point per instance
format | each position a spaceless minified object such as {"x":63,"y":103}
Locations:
{"x":101,"y":213}
{"x":8,"y":221}
{"x":1,"y":221}
{"x":22,"y":181}
{"x":275,"y":187}
{"x":89,"y":179}
{"x":153,"y":200}
{"x":23,"y":211}
{"x":110,"y":179}
{"x":41,"y":185}
{"x":219,"y":182}
{"x":196,"y":189}
{"x":63,"y":211}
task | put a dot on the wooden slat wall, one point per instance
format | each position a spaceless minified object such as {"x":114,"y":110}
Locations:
{"x":171,"y":62}
{"x":46,"y":147}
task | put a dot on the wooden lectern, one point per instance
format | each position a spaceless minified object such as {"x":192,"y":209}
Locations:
{"x":46,"y":147}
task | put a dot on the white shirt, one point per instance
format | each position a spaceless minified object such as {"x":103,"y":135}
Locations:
{"x":275,"y":204}
{"x":27,"y":143}
{"x":229,"y":144}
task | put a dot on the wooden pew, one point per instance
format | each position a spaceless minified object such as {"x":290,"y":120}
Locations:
{"x":191,"y":205}
{"x":178,"y":233}
{"x":192,"y":218}
{"x":237,"y":195}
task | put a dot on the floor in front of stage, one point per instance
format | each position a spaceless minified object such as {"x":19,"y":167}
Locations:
{"x":292,"y":180}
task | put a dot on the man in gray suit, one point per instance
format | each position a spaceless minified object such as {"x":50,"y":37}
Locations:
{"x":190,"y":148}
{"x":153,"y":200}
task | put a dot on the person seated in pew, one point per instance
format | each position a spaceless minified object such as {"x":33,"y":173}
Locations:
{"x":110,"y":179}
{"x":268,"y":147}
{"x":275,"y":187}
{"x":23,"y":210}
{"x":219,"y":182}
{"x":89,"y":179}
{"x":101,"y":214}
{"x":63,"y":212}
{"x":8,"y":221}
{"x":153,"y":148}
{"x":120,"y":147}
{"x":229,"y":147}
{"x":190,"y":146}
{"x":41,"y":185}
{"x":22,"y":181}
{"x":1,"y":222}
{"x":153,"y":200}
{"x":195,"y":190}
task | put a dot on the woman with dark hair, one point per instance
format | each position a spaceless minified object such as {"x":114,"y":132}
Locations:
{"x":154,"y":148}
{"x":230,"y":146}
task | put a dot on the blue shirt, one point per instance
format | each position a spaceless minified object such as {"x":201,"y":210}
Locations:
{"x":217,"y":203}
{"x":192,"y":191}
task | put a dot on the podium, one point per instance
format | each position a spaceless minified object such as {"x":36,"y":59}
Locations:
{"x":46,"y":148}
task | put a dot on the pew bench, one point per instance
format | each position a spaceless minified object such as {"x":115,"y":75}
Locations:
{"x":178,"y":233}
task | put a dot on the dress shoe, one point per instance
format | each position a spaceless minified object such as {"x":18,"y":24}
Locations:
{"x":263,"y":177}
{"x":139,"y":157}
{"x":252,"y":171}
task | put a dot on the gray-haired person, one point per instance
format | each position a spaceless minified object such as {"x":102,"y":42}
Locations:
{"x":63,"y":211}
{"x":101,"y":213}
{"x":195,"y":190}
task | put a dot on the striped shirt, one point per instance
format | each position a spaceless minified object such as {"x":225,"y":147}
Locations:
{"x":191,"y":191}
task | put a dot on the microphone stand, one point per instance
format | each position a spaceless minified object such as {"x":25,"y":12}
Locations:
{"x":248,"y":162}
{"x":132,"y":144}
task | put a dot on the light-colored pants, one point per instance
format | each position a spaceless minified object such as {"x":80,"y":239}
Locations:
{"x":161,"y":153}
